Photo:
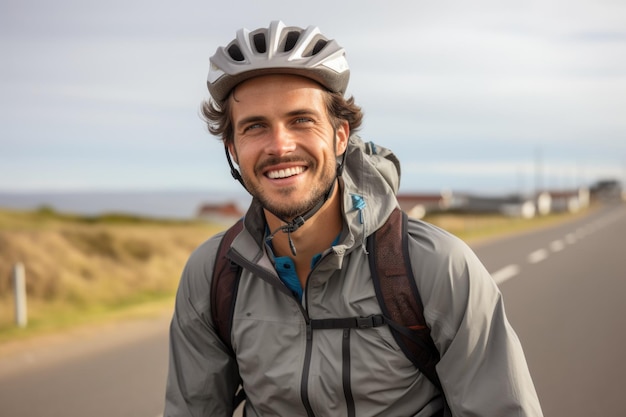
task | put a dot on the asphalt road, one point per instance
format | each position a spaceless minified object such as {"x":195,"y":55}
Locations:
{"x":563,"y":290}
{"x":114,"y":370}
{"x":566,"y":302}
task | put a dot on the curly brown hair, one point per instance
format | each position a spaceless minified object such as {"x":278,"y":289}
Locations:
{"x":219,"y":121}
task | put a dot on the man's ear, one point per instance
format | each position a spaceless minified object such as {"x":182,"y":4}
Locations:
{"x":342,"y":135}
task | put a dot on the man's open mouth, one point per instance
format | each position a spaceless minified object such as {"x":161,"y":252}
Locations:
{"x":285,"y":173}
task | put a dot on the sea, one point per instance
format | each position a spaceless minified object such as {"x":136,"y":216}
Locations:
{"x":168,"y":204}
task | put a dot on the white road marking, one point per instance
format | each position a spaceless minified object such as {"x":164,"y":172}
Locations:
{"x":537,"y":256}
{"x":557,"y":246}
{"x":510,"y":271}
{"x":505,"y":273}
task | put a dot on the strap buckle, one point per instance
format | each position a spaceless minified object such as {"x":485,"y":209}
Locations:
{"x":370,"y":321}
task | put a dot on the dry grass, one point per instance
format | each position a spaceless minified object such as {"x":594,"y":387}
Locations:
{"x":473,"y":227}
{"x":77,"y":266}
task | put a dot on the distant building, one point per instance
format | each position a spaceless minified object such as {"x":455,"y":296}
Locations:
{"x":511,"y":206}
{"x":226,"y":213}
{"x":568,"y":201}
{"x":418,"y":205}
{"x":544,"y":203}
{"x":607,"y":190}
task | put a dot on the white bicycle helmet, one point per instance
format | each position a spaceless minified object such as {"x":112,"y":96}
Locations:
{"x":278,"y":50}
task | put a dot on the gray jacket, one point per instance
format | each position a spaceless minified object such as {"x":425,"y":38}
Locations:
{"x":288,"y":372}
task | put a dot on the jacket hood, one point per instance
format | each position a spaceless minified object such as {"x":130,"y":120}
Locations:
{"x":370,"y":181}
{"x":369,"y":160}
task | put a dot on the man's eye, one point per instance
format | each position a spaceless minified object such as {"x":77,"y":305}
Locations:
{"x":252,"y":127}
{"x":303,"y":120}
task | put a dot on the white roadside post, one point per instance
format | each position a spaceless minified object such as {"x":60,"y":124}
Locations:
{"x":19,"y":282}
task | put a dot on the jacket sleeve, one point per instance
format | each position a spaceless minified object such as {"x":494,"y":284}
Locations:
{"x":202,"y":377}
{"x":482,"y":368}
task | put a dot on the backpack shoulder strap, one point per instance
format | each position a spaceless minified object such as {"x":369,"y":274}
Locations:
{"x":223,"y":292}
{"x":398,"y":295}
{"x":224,"y":285}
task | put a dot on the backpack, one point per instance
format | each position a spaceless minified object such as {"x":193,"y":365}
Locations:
{"x":394,"y":284}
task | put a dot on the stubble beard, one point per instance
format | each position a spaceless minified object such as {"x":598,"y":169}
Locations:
{"x":286,"y":207}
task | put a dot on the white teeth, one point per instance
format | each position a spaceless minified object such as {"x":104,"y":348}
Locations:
{"x":284,"y":173}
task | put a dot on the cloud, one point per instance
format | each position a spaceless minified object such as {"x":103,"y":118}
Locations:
{"x":94,"y":85}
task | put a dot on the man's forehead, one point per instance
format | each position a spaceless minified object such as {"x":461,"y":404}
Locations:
{"x":283,"y":94}
{"x":276,"y":83}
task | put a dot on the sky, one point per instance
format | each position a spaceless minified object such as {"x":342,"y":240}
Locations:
{"x":487,"y":96}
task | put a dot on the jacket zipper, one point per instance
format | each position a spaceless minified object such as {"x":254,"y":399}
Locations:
{"x":304,"y":384}
{"x":345,"y":372}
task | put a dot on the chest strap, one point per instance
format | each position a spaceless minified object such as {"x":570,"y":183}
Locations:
{"x":375,"y":320}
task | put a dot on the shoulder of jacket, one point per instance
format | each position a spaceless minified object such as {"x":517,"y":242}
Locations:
{"x":429,"y":238}
{"x":202,"y":258}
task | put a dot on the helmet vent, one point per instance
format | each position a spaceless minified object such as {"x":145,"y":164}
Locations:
{"x":235,"y":53}
{"x":319,"y":45}
{"x":291,"y":40}
{"x":259,"y":43}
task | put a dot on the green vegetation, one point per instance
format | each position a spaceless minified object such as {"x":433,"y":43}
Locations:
{"x":85,"y":269}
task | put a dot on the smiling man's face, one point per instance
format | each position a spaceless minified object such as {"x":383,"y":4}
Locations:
{"x":284,"y":143}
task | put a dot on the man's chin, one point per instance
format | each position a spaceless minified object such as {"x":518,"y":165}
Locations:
{"x":287,"y":213}
{"x":287,"y":208}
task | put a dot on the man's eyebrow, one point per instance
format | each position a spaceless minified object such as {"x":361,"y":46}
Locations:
{"x":303,"y":112}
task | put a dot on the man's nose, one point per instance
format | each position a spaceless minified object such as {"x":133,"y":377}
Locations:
{"x":281,"y":141}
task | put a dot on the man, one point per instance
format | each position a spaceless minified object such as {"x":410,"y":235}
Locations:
{"x":318,"y":193}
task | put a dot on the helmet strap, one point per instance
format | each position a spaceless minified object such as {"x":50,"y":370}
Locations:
{"x":291,"y":226}
{"x":233,"y":171}
{"x":342,"y":163}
